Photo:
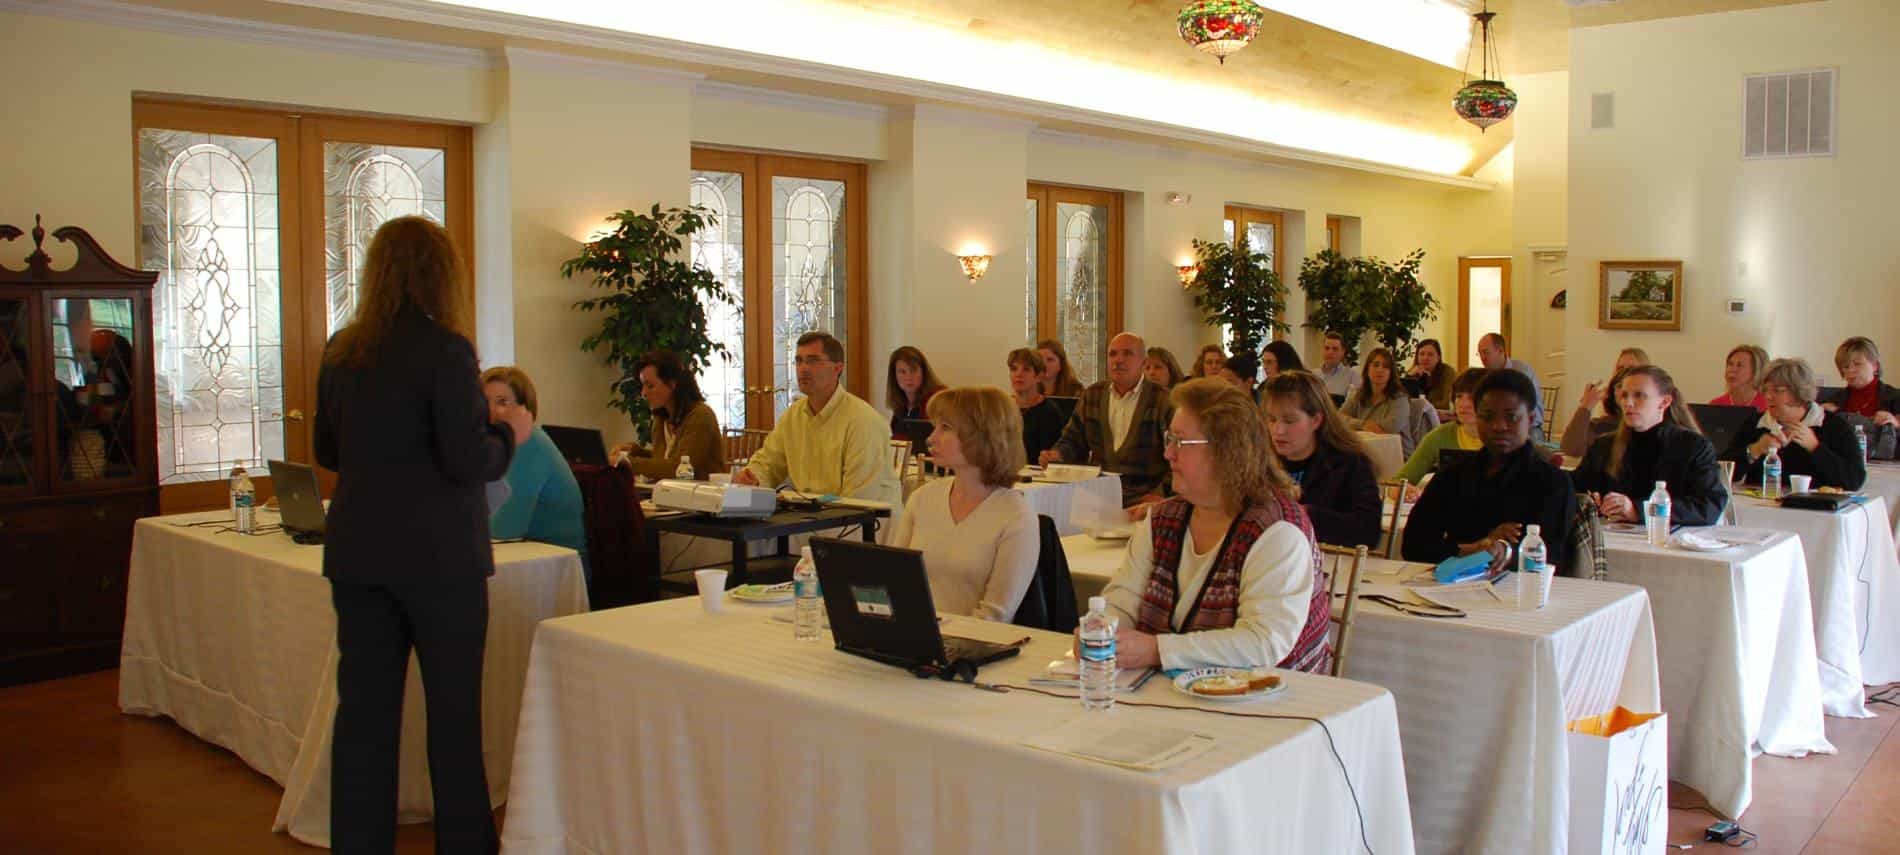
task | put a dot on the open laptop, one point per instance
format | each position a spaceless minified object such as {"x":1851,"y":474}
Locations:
{"x":878,"y":601}
{"x":299,"y":500}
{"x":1721,"y":423}
{"x":578,"y":445}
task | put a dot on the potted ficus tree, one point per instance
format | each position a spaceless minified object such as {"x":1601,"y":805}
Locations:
{"x":1357,"y":296}
{"x":656,"y":299}
{"x":1236,"y":287}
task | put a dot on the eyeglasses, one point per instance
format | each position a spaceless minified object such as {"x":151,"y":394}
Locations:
{"x":1171,"y":441}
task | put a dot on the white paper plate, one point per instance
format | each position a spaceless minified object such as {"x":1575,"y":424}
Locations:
{"x":764,"y":594}
{"x":1187,"y":678}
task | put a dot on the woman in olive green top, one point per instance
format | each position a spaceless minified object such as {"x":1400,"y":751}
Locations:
{"x":683,"y":426}
{"x":1460,"y":433}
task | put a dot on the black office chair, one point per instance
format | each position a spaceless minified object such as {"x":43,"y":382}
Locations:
{"x":1049,"y":603}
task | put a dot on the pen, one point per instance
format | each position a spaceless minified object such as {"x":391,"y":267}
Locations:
{"x":1143,"y":679}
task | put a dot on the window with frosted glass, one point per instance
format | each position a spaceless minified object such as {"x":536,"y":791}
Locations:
{"x":720,"y":248}
{"x":208,"y":224}
{"x":1029,"y":296}
{"x":1081,"y":286}
{"x":365,"y":186}
{"x":808,"y":270}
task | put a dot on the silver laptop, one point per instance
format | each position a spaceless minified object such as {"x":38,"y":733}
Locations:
{"x":298,"y":498}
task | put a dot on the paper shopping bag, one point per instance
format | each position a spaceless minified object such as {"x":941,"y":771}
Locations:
{"x":1619,"y":783}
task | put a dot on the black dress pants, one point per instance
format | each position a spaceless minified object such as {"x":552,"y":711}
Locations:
{"x":376,"y":625}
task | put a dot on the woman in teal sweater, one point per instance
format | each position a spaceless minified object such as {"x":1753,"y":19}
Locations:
{"x":544,"y":500}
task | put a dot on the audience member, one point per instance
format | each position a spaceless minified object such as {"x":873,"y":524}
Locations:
{"x":1658,"y":440}
{"x":1459,"y":434}
{"x":1482,"y":504}
{"x":1585,"y":427}
{"x":1812,"y":441}
{"x":1208,"y":363}
{"x":1741,"y":374}
{"x":1338,"y":376}
{"x":1379,"y":404}
{"x":544,"y":500}
{"x":1276,"y":357}
{"x":1495,"y":353}
{"x":1866,"y":394}
{"x":1327,"y":462}
{"x":1042,"y":422}
{"x":1228,"y":572}
{"x":830,"y":441}
{"x":978,"y":534}
{"x":684,"y":425}
{"x":1430,"y":378}
{"x":1240,"y":372}
{"x":1118,"y":425}
{"x":1058,"y":376}
{"x":1161,"y":369}
{"x":909,"y":384}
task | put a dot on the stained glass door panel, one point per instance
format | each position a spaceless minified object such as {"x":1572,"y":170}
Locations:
{"x":1081,"y":286}
{"x":809,"y":254}
{"x":365,"y":186}
{"x":1030,"y":297}
{"x":208,"y":209}
{"x":720,"y":248}
{"x":19,"y":471}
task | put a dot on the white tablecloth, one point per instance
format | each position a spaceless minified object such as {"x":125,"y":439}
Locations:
{"x":1854,"y":579}
{"x":1484,"y":700}
{"x":1736,"y":645}
{"x":1387,"y":451}
{"x":660,"y":728}
{"x":1078,"y":506}
{"x":234,"y":638}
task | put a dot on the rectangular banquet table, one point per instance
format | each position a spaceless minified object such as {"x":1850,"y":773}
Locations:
{"x":1854,"y":580}
{"x":661,"y":728}
{"x":1736,"y":645}
{"x":1484,"y":700}
{"x":234,"y":637}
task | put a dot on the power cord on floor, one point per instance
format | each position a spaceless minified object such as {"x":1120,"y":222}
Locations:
{"x":1889,"y":696}
{"x":1364,"y":839}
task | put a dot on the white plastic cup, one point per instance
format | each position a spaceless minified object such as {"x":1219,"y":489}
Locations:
{"x":1543,"y":586}
{"x":712,"y":589}
{"x":1801,"y":483}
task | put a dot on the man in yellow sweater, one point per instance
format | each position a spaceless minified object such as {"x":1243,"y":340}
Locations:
{"x":830,"y":441}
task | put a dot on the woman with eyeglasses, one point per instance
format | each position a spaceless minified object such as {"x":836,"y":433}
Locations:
{"x":1226,"y":572}
{"x":1483,"y":504}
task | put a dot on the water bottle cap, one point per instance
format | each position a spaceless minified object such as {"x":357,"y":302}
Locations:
{"x":804,"y":552}
{"x":686,"y":460}
{"x":1098,"y":604}
{"x":1662,"y":485}
{"x":1533,"y":529}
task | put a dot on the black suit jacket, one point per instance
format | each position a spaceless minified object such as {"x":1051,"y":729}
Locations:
{"x":412,"y":447}
{"x":1696,"y":493}
{"x":1341,"y":497}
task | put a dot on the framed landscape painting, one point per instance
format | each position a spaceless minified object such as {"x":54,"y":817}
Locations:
{"x":1639,"y":295}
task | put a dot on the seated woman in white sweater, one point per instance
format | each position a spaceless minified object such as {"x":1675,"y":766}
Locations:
{"x":1228,"y":571}
{"x":978,"y":535}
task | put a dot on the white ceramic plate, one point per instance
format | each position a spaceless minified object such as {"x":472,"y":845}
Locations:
{"x":779,"y":593}
{"x":1188,"y":677}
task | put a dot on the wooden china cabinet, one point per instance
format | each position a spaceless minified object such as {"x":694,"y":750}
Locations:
{"x":78,"y":450}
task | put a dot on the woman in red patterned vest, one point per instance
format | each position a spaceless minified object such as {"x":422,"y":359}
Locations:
{"x":1227,"y":572}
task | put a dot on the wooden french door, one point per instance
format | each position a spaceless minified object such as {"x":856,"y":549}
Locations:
{"x":1074,"y":292}
{"x":1484,"y":302}
{"x":788,"y":241}
{"x":257,"y":220}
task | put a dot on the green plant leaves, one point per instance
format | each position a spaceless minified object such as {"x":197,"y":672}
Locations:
{"x":1355,"y":296}
{"x":1237,"y":287}
{"x":653,"y":300}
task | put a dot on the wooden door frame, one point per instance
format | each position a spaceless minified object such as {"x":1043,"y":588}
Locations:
{"x":1047,"y":197}
{"x":1466,"y":263}
{"x":1241,"y":215}
{"x":756,"y":172}
{"x":1335,"y":233}
{"x":300,"y":135}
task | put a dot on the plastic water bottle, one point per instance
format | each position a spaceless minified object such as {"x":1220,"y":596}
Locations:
{"x":1860,"y":436}
{"x":1656,"y":515}
{"x":243,"y":501}
{"x":685,"y":470}
{"x":805,"y":588}
{"x":1533,"y":570}
{"x":1771,"y":474}
{"x":1098,"y":656}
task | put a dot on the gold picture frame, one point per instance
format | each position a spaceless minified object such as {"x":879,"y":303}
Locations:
{"x":1639,"y":295}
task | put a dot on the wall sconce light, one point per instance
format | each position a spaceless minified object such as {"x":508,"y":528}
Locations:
{"x":974,"y":266}
{"x":1187,"y":273}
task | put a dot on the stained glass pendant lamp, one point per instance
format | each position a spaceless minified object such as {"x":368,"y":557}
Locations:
{"x":1219,"y":27}
{"x":1486,"y":101}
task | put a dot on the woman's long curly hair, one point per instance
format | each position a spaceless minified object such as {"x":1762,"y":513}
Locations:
{"x":411,"y":262}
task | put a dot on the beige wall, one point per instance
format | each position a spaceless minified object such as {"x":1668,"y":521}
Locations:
{"x":1806,"y":241}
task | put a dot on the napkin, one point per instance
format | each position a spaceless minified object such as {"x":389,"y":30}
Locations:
{"x":1462,"y":567}
{"x":1691,"y":540}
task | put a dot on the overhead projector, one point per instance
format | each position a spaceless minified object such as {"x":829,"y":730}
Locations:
{"x":720,"y":500}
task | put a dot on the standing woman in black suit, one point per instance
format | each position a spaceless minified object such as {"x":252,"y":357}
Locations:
{"x":402,"y":421}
